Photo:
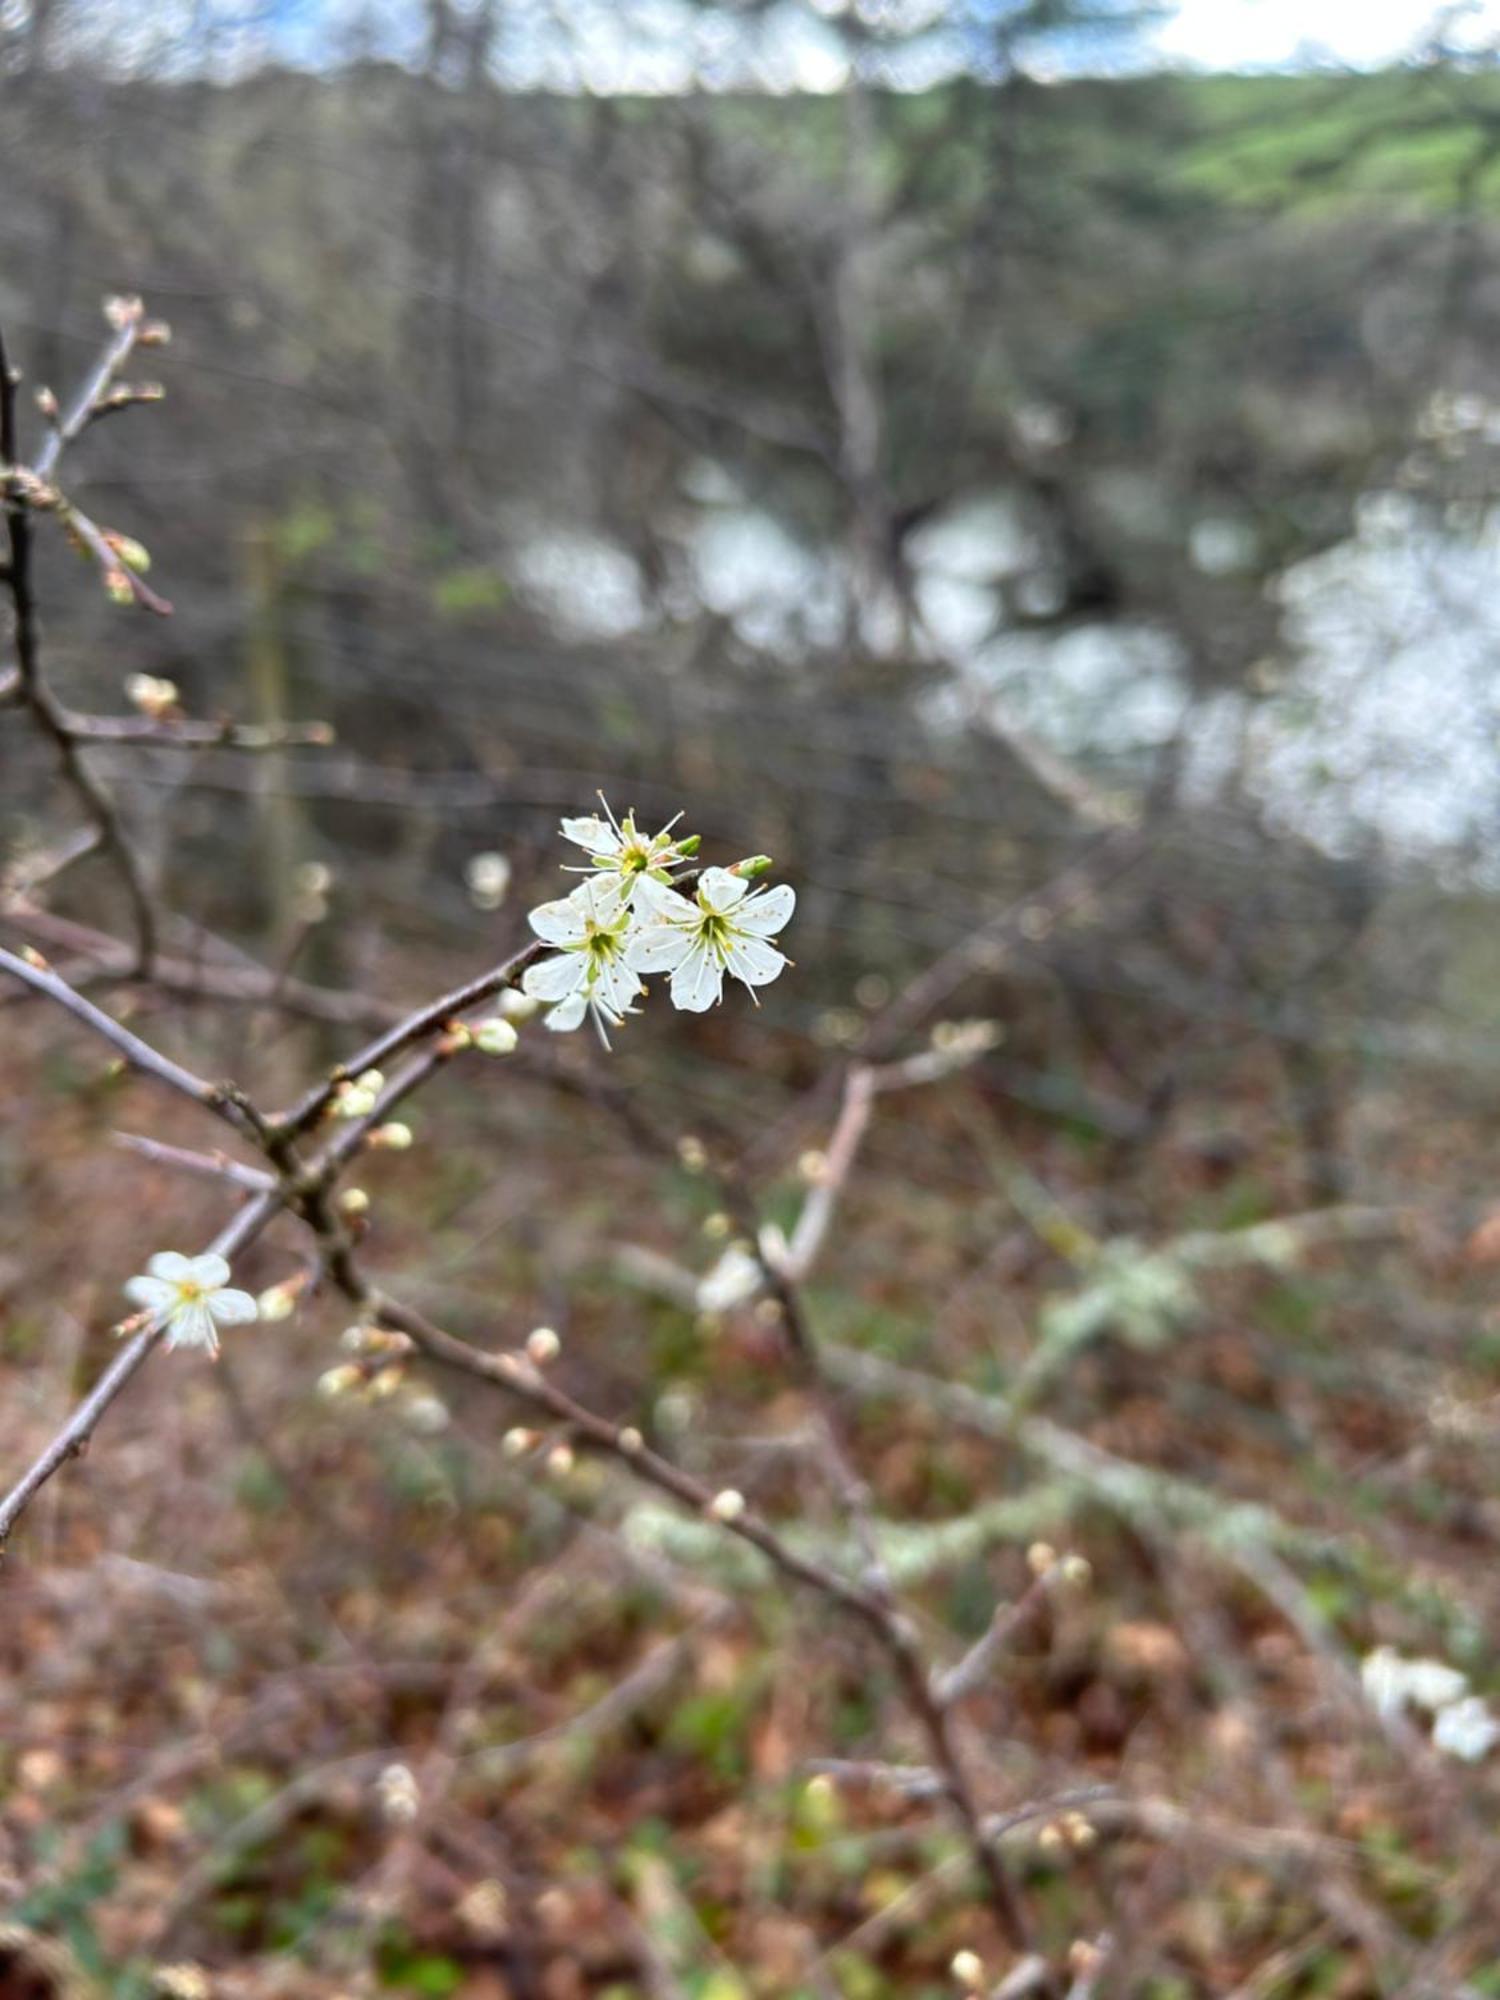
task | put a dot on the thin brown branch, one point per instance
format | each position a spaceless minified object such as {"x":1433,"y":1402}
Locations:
{"x":413,"y":1027}
{"x":182,"y":733}
{"x":215,"y":1097}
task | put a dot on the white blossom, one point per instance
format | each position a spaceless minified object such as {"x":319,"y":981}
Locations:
{"x":190,"y":1298}
{"x":1392,"y":1683}
{"x":724,"y":928}
{"x":590,"y":974}
{"x":619,"y":849}
{"x":1466,"y":1729}
{"x":735,"y":1278}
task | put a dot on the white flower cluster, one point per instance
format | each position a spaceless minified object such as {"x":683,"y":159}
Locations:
{"x":628,"y":920}
{"x":1463,"y":1725}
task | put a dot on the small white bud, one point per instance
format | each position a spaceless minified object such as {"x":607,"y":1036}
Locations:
{"x":278,"y":1301}
{"x":517,"y":1442}
{"x":151,"y":695}
{"x":400,"y":1800}
{"x":338,"y":1381}
{"x":428,"y":1414}
{"x":967,"y":1968}
{"x":716,"y":1226}
{"x":560,"y":1460}
{"x":354,"y":1201}
{"x":488,"y":877}
{"x":631,"y":1440}
{"x":727,"y":1506}
{"x":1040,"y":1558}
{"x":542,"y":1346}
{"x":392,"y":1138}
{"x":517,"y":1006}
{"x":494,"y":1037}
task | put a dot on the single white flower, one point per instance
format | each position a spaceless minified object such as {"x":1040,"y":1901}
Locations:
{"x":724,"y":928}
{"x":590,"y":974}
{"x":620,"y":850}
{"x":735,"y":1278}
{"x":1391,"y":1683}
{"x":190,"y":1298}
{"x":1466,"y":1729}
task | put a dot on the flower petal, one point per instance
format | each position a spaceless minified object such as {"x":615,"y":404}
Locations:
{"x":568,"y":1015}
{"x":601,"y":899}
{"x":209,"y":1271}
{"x":698,"y":983}
{"x":754,"y":961}
{"x":556,"y":978}
{"x":171,"y":1265}
{"x":156,"y":1295}
{"x":192,"y":1325}
{"x":660,"y":901}
{"x":658,"y":947}
{"x":562,"y":922}
{"x":615,"y":985}
{"x":593,"y":833}
{"x":719,"y":890}
{"x":767,"y":910}
{"x":232,"y":1308}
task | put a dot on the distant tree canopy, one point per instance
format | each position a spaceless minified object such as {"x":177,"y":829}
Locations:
{"x":657,"y":404}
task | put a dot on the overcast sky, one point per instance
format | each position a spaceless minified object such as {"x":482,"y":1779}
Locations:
{"x":1241,"y":34}
{"x":789,"y":45}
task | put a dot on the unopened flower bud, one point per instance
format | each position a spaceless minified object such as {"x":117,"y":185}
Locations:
{"x":1076,"y":1571}
{"x":631,"y":1440}
{"x":813,"y":1167}
{"x":46,"y":402}
{"x":692,"y":1153}
{"x":354,"y":1202}
{"x":727,"y":1506}
{"x":560,"y":1460}
{"x":135,"y":555}
{"x":488,"y":878}
{"x":516,"y":1443}
{"x":400,"y":1800}
{"x":279,"y":1301}
{"x":494,"y":1037}
{"x":542,"y":1346}
{"x":339,"y":1381}
{"x":428,"y":1414}
{"x":716,"y":1226}
{"x":517,"y":1006}
{"x":387,"y":1382}
{"x":967,"y":1968}
{"x":392,"y":1138}
{"x":1040,"y":1558}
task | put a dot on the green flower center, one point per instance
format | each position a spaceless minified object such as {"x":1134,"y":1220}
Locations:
{"x":715,"y":930}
